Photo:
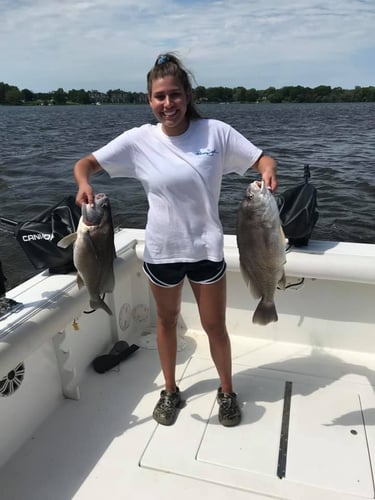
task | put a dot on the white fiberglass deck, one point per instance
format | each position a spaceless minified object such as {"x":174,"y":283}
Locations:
{"x":106,"y":445}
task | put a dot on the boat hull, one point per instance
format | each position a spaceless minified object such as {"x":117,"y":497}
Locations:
{"x":323,"y":344}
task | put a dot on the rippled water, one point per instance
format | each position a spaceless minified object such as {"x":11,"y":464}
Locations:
{"x":39,"y":146}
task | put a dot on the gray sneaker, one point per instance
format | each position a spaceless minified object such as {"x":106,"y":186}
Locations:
{"x":165,"y":411}
{"x":229,"y":410}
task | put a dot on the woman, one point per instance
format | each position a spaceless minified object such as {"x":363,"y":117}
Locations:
{"x":180,"y":162}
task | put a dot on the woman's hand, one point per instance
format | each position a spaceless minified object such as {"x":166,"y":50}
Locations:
{"x":267,"y":167}
{"x":83,"y":170}
{"x":85,"y":194}
{"x":270,"y":179}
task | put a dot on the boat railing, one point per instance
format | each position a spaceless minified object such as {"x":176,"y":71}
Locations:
{"x":327,"y":260}
{"x":51,"y":301}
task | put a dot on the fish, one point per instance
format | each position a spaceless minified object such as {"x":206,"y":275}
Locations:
{"x":261,"y":247}
{"x":94,"y":250}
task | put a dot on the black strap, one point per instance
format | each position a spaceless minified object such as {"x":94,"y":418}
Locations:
{"x":306,"y":173}
{"x":2,"y":281}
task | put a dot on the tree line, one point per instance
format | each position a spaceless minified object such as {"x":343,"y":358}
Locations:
{"x":12,"y":95}
{"x":322,"y":93}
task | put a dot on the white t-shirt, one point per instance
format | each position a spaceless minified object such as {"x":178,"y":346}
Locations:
{"x":182,"y":178}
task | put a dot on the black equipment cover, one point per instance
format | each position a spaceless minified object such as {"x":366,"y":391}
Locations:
{"x":298,"y":209}
{"x":39,"y":236}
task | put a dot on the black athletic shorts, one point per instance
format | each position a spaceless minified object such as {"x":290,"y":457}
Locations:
{"x":169,"y":275}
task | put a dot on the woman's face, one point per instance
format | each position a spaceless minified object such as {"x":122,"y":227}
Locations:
{"x":168,"y":101}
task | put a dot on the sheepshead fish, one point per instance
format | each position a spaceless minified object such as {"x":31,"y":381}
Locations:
{"x":94,"y":250}
{"x":261,"y":246}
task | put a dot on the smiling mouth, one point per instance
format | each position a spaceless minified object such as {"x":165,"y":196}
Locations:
{"x":169,"y":114}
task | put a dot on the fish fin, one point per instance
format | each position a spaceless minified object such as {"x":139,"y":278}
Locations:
{"x":282,"y":282}
{"x":250,"y":283}
{"x":265,"y":313}
{"x":282,"y":233}
{"x":109,"y":283}
{"x":100,"y":304}
{"x":68,"y":240}
{"x":245,"y":276}
{"x":80,"y":281}
{"x":254,"y":290}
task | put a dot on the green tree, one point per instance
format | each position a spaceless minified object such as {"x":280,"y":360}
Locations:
{"x":321,"y":93}
{"x":359,"y":94}
{"x":219,"y":94}
{"x":337,"y":94}
{"x":59,"y":96}
{"x":252,"y":95}
{"x":13,"y":96}
{"x":239,"y":94}
{"x":78,"y":96}
{"x":269,"y":94}
{"x":200,"y":93}
{"x":27,"y":95}
{"x":2,"y":92}
{"x":369,"y":94}
{"x":8,"y":94}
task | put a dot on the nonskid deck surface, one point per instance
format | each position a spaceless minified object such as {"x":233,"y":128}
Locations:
{"x":318,"y":406}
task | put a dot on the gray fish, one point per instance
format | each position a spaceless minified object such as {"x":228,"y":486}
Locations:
{"x":94,"y":250}
{"x":261,"y":246}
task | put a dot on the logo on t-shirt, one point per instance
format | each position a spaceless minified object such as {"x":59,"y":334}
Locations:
{"x":206,"y":152}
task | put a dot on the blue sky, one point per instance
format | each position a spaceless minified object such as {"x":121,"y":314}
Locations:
{"x":109,"y":44}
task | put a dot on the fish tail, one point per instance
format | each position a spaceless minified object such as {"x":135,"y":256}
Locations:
{"x":265,"y":313}
{"x":282,"y":282}
{"x":100,"y":304}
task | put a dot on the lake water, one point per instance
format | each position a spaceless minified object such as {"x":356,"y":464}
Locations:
{"x":39,"y":145}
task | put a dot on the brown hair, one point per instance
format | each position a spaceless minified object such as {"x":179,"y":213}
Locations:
{"x":169,"y":65}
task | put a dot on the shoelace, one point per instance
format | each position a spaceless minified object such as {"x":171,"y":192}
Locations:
{"x":226,"y":401}
{"x":167,"y":404}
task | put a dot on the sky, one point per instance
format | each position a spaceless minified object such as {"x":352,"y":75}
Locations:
{"x":111,"y":44}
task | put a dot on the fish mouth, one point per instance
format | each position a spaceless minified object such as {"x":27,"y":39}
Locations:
{"x":86,"y":214}
{"x":253,"y":188}
{"x":92,"y":214}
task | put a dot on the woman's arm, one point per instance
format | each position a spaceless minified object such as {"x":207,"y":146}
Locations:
{"x":83,"y":170}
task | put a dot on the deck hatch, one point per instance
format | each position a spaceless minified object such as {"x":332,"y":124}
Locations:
{"x":323,"y":455}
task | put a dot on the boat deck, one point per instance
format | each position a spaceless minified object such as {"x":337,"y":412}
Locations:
{"x":106,"y":445}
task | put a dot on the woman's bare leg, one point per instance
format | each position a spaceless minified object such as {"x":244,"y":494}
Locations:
{"x":211,"y":300}
{"x":168,"y":304}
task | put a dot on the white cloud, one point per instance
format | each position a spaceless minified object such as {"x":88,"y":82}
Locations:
{"x":107,"y":44}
